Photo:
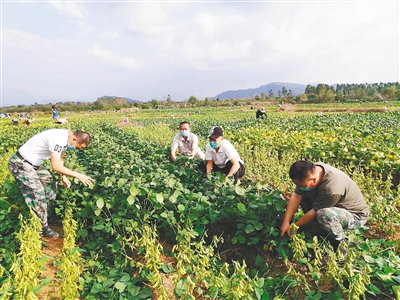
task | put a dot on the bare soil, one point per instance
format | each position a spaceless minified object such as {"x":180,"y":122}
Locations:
{"x":52,"y":248}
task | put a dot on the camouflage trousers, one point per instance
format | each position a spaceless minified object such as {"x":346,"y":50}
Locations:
{"x":336,"y":220}
{"x":37,"y":186}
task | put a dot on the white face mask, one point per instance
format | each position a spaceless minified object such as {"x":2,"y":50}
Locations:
{"x":184,"y":132}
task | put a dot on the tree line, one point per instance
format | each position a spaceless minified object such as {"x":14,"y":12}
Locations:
{"x":321,"y":93}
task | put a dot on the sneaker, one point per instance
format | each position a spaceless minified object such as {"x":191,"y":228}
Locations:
{"x":48,"y":232}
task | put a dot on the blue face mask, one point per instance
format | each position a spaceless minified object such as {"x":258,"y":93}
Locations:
{"x":70,"y":147}
{"x":184,"y":133}
{"x":305,"y":189}
{"x":214,"y":145}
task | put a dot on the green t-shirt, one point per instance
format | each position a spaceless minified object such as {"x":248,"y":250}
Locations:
{"x":336,"y":189}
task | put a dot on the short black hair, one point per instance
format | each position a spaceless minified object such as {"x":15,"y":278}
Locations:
{"x":301,"y":169}
{"x":83,"y":137}
{"x":184,"y":122}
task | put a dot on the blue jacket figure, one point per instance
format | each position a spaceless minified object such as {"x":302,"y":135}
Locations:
{"x":55,"y":113}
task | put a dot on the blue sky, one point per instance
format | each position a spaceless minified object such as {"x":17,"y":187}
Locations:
{"x":78,"y":50}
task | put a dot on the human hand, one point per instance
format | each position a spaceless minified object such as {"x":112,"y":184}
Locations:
{"x":86,"y":180}
{"x":285,"y":228}
{"x":66,"y":182}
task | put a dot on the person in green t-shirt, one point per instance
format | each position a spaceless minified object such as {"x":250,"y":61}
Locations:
{"x":328,"y":196}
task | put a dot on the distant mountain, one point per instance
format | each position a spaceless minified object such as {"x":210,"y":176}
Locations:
{"x":297,"y":89}
{"x":116,"y":100}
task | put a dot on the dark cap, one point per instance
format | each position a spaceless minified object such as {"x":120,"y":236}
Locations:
{"x":215,"y":133}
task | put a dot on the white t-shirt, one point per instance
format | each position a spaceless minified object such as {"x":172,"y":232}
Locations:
{"x":225,"y":153}
{"x":40,"y":146}
{"x":186,"y":146}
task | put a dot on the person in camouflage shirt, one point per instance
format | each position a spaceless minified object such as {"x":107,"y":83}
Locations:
{"x":36,"y":183}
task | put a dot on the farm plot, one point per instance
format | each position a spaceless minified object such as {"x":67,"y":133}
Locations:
{"x":152,"y":229}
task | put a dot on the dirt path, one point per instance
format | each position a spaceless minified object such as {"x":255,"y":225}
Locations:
{"x":52,"y":249}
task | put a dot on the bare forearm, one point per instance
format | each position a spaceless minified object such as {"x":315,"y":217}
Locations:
{"x":293,"y":205}
{"x":209,"y":166}
{"x":173,"y":155}
{"x":235,"y":167}
{"x":307,"y":218}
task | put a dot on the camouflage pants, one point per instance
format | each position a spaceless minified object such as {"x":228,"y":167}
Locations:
{"x":335,"y":220}
{"x":37,"y":186}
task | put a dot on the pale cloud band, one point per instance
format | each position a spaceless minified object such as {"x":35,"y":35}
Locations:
{"x":145,"y":50}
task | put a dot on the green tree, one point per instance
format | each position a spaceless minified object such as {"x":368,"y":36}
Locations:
{"x":284,"y":91}
{"x":271,"y":94}
{"x":192,"y":101}
{"x":390,"y":93}
{"x":310,"y":89}
{"x":154,"y":103}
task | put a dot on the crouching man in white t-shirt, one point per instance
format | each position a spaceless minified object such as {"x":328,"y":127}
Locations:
{"x":221,"y":156}
{"x":186,"y":142}
{"x":36,"y":183}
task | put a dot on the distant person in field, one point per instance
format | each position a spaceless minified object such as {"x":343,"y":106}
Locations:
{"x":261,"y":114}
{"x":328,"y":196}
{"x":36,"y":183}
{"x":56,"y":113}
{"x":186,"y":142}
{"x":56,"y":116}
{"x":222,"y":157}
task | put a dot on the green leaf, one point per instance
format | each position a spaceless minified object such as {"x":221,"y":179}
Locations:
{"x":96,"y":288}
{"x":167,"y":268}
{"x":125,"y":277}
{"x":134,"y":190}
{"x":160,"y":198}
{"x":181,"y":287}
{"x":120,"y":286}
{"x":369,"y":259}
{"x":133,"y":290}
{"x":181,"y":207}
{"x":241,"y":207}
{"x":100,"y":203}
{"x":121,"y":182}
{"x":249,"y":228}
{"x":131,"y":199}
{"x":259,"y":261}
{"x":97,"y":212}
{"x":240,"y":191}
{"x":374,"y":290}
{"x":241,"y":239}
{"x":385,"y":278}
{"x":172,"y":198}
{"x":108,"y":182}
{"x":83,"y":233}
{"x":259,"y":226}
{"x":280,"y":205}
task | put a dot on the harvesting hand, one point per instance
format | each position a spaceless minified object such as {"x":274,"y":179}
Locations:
{"x":285,"y":228}
{"x":66,"y":182}
{"x":86,"y":180}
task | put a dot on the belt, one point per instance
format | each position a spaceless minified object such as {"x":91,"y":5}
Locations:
{"x":24,"y":160}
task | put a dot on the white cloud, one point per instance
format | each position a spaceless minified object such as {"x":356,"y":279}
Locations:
{"x":205,"y":48}
{"x":112,"y":58}
{"x":146,"y":18}
{"x":17,"y":40}
{"x":111,"y":34}
{"x":70,"y":8}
